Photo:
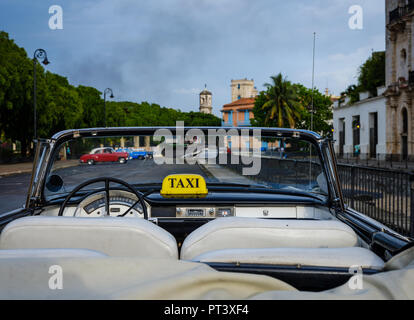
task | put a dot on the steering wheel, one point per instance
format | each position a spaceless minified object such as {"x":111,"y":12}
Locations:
{"x":107,"y":181}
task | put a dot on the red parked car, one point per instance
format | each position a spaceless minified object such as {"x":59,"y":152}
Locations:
{"x":104,"y":155}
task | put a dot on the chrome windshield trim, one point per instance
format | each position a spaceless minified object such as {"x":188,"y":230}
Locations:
{"x":97,"y":132}
{"x":36,"y":196}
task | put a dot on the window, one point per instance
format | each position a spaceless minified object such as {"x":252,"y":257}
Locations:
{"x":403,"y":55}
{"x":356,"y":126}
{"x":238,"y":97}
{"x":238,"y":86}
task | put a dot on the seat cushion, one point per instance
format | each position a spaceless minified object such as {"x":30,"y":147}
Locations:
{"x":322,"y":257}
{"x":50,"y":253}
{"x":109,"y":235}
{"x":243,"y":233}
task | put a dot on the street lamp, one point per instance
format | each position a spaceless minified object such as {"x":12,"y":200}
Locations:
{"x":107,"y":90}
{"x":38,"y":54}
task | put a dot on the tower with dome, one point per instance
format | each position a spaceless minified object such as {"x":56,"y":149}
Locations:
{"x":206,"y":101}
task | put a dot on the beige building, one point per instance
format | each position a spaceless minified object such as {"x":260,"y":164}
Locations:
{"x":382,"y":126}
{"x":206,"y":100}
{"x":400,"y":78}
{"x":242,"y":89}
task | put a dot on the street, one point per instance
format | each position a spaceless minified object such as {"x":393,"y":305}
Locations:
{"x":13,"y":191}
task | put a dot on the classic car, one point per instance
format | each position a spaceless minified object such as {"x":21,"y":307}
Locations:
{"x":134,"y":153}
{"x":245,"y":224}
{"x":104,"y":155}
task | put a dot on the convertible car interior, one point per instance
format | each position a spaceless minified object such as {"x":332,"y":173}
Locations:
{"x":310,"y":241}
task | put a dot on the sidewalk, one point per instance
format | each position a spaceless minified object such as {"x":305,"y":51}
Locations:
{"x":26,"y":167}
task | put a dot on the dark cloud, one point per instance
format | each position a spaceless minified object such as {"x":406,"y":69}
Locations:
{"x":161,"y":50}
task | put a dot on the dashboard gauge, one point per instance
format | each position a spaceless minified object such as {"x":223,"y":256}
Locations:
{"x":119,"y":202}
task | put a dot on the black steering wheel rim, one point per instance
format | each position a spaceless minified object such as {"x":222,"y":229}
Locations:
{"x":107,"y":181}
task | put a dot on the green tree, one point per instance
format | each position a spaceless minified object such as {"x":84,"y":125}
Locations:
{"x":281,"y":107}
{"x":16,"y":87}
{"x":352,"y":92}
{"x":93,"y":105}
{"x":372,"y":73}
{"x":63,"y":107}
{"x":322,"y":106}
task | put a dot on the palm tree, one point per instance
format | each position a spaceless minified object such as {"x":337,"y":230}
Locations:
{"x":282,"y":106}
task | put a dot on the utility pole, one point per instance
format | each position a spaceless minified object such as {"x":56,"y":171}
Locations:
{"x":313,"y":77}
{"x":312,"y":109}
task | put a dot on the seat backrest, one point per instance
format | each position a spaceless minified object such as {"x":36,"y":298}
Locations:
{"x":112,"y":236}
{"x":50,"y":253}
{"x":244,"y":233}
{"x":315,"y":257}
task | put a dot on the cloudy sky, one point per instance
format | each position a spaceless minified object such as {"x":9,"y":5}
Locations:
{"x":164,"y":51}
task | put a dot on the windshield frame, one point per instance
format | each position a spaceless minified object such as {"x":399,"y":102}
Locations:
{"x":38,"y":191}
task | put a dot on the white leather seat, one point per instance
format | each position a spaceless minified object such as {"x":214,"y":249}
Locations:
{"x":50,"y":253}
{"x":253,"y":233}
{"x":322,"y":257}
{"x":109,"y":235}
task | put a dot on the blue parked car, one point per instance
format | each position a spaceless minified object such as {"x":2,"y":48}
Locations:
{"x":139,"y":154}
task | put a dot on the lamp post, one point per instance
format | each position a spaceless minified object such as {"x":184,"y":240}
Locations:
{"x":38,"y":54}
{"x":107,"y":91}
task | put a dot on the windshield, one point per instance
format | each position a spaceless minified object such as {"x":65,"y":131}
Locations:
{"x":249,"y":162}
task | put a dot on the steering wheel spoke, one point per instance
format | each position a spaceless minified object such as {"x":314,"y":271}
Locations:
{"x":107,"y":181}
{"x":107,"y":197}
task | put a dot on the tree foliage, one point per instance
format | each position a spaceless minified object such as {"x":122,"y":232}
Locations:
{"x":371,"y":75}
{"x":61,"y":105}
{"x":284,"y":104}
{"x":322,"y":110}
{"x":281,"y":107}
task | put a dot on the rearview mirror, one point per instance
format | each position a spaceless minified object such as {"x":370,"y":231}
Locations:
{"x":54,"y":183}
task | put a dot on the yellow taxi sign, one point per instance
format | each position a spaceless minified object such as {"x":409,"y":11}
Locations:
{"x":184,"y":186}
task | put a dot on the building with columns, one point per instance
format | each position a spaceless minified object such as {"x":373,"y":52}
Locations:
{"x":382,"y":126}
{"x":400,"y":78}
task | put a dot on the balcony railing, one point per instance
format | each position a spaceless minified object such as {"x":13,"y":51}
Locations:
{"x":400,"y":12}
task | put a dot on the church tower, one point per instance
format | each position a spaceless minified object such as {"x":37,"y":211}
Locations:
{"x":206,"y":101}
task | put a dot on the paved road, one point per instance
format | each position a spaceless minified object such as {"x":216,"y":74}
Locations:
{"x":13,"y":191}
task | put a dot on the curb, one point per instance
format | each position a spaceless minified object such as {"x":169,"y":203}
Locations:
{"x":12,"y":173}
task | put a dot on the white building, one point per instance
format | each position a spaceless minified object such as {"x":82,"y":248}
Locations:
{"x":362,"y":124}
{"x":384,"y":125}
